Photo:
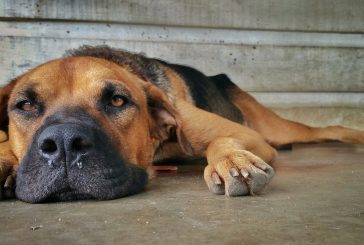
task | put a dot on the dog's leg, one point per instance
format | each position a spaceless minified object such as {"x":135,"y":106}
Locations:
{"x":3,"y":136}
{"x":278,"y":131}
{"x":237,"y":156}
{"x":8,"y":165}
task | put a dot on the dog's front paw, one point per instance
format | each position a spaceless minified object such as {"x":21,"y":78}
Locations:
{"x":237,"y":173}
{"x":8,"y":168}
{"x":7,"y":187}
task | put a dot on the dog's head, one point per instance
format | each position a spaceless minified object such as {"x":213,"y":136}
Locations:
{"x":84,"y":127}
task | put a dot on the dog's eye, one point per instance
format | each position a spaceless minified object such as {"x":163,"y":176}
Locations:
{"x":26,"y":105}
{"x":118,"y":101}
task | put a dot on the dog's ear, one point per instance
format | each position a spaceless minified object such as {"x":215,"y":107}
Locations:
{"x":4,"y":98}
{"x":166,"y":122}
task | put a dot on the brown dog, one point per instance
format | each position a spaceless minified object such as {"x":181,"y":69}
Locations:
{"x":90,"y":124}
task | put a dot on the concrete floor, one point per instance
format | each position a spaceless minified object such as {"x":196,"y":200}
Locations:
{"x":317,"y":197}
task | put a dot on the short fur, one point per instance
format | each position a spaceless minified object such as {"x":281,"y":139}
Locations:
{"x":67,"y":139}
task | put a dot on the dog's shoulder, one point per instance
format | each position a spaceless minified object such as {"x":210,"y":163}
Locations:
{"x":210,"y":93}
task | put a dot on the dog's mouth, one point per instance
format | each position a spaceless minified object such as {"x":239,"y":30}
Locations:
{"x":100,"y":178}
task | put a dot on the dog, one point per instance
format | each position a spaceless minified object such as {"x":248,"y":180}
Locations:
{"x":89,"y":126}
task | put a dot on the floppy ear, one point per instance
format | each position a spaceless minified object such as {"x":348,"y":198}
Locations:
{"x":4,"y":98}
{"x":166,"y":122}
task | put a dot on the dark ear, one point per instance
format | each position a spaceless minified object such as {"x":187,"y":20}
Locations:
{"x":4,"y":98}
{"x":166,"y":122}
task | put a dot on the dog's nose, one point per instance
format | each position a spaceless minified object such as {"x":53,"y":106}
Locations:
{"x":64,"y":142}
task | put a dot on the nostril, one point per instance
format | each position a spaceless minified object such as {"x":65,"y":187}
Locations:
{"x":48,"y":147}
{"x":80,"y":145}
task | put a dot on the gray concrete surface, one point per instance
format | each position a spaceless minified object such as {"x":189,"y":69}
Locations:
{"x":308,"y":15}
{"x":317,"y":197}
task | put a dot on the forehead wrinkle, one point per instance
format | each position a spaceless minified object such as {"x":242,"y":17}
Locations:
{"x":92,"y":68}
{"x":68,"y":70}
{"x":30,"y":87}
{"x":88,"y":71}
{"x":95,"y":74}
{"x":107,"y":68}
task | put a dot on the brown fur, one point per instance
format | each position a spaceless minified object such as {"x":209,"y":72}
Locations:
{"x":236,"y":154}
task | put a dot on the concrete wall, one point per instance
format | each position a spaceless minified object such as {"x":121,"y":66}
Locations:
{"x":304,"y":58}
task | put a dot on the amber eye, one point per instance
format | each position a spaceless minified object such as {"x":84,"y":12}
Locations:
{"x":117,"y":101}
{"x":26,"y":105}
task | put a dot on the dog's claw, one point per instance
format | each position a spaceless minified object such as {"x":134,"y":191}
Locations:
{"x":234,"y":172}
{"x":262,"y":166}
{"x":9,"y":182}
{"x":244,"y":173}
{"x":216,"y":179}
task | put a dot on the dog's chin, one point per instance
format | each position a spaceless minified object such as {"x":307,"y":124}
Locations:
{"x":68,"y":194}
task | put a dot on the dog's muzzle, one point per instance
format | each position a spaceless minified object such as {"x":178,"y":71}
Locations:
{"x":75,"y":160}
